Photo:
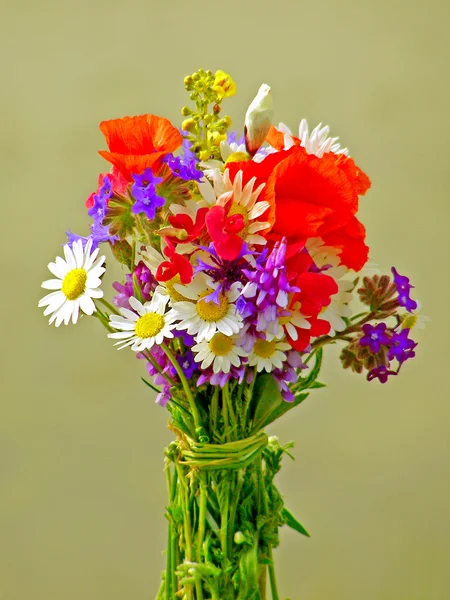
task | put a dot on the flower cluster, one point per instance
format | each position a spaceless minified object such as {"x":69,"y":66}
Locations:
{"x":241,"y":255}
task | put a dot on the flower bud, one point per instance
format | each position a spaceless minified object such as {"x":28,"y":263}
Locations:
{"x":186,"y":111}
{"x":239,"y":537}
{"x":258,"y":119}
{"x":188,"y":125}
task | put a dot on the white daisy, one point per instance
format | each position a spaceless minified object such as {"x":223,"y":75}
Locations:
{"x":148,"y":325}
{"x":221,"y":351}
{"x":203,"y":318}
{"x":317,"y":142}
{"x":241,"y":200}
{"x":268,"y":355}
{"x":78,"y":281}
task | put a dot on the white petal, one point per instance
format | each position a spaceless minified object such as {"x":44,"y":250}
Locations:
{"x":87,"y":305}
{"x":70,"y":259}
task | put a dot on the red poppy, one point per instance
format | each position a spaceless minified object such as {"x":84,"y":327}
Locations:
{"x":136,"y":143}
{"x":314,"y":197}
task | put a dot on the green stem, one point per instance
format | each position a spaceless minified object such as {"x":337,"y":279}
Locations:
{"x":109,"y":306}
{"x":185,"y":384}
{"x":201,"y":529}
{"x":227,"y":401}
{"x":226,"y":424}
{"x":272,"y":577}
{"x":214,"y":409}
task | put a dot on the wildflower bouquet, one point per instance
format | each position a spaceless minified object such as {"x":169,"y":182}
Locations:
{"x":240,"y":258}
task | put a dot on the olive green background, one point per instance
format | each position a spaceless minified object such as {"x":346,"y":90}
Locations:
{"x":82,"y":486}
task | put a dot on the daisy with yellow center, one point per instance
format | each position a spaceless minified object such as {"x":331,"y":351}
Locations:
{"x":147,"y":324}
{"x":78,"y":279}
{"x":201,"y":316}
{"x":221,"y":352}
{"x":268,"y":355}
{"x":239,"y":200}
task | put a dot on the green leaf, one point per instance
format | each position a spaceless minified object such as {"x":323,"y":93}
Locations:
{"x":317,"y":384}
{"x":150,"y":385}
{"x":270,"y":404}
{"x":292,"y":522}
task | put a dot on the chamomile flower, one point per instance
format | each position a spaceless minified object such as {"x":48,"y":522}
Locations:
{"x":268,"y":355}
{"x":201,"y":315}
{"x":221,"y":352}
{"x":147,"y":324}
{"x":78,"y":282}
{"x":317,"y":142}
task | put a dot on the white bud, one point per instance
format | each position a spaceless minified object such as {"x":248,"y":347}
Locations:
{"x":258,"y":119}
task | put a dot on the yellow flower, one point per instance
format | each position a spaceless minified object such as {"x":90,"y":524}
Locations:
{"x":224,"y":85}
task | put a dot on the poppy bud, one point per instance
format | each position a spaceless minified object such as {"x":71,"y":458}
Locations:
{"x":258,"y":119}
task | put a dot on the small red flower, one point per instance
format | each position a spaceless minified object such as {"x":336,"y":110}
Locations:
{"x":137,"y":143}
{"x":183,"y":229}
{"x":224,"y":232}
{"x":176,"y":265}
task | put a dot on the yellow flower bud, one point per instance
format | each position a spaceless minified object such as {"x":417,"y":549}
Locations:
{"x":186,"y":111}
{"x":204,"y":155}
{"x":258,"y":119}
{"x":188,"y":125}
{"x":224,"y":86}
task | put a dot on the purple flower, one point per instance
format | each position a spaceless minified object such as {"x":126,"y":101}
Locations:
{"x":208,"y":376}
{"x":185,"y":166}
{"x":402,"y":347}
{"x":144,"y":280}
{"x":375,"y":337}
{"x":98,"y":209}
{"x":100,"y":233}
{"x":288,"y":374}
{"x":187,"y":363}
{"x":164,"y":395}
{"x":403,"y":289}
{"x":381,"y":373}
{"x":265,"y":296}
{"x":223,"y":272}
{"x":144,"y":192}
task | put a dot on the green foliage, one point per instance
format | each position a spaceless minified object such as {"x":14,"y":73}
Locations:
{"x":292,"y":522}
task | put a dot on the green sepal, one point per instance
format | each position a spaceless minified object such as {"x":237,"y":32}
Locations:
{"x":122,"y":252}
{"x":119,"y":217}
{"x":292,"y":522}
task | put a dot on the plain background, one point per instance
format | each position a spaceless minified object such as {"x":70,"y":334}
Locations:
{"x":82,"y":486}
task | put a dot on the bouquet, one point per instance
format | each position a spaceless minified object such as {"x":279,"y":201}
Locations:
{"x":241,"y":256}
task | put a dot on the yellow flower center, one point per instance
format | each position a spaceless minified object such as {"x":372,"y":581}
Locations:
{"x":149,"y":325}
{"x":210,"y":311}
{"x":264,"y":349}
{"x":237,"y":157}
{"x":238,"y":209}
{"x":170,"y":287}
{"x":221,"y":344}
{"x":74,"y":284}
